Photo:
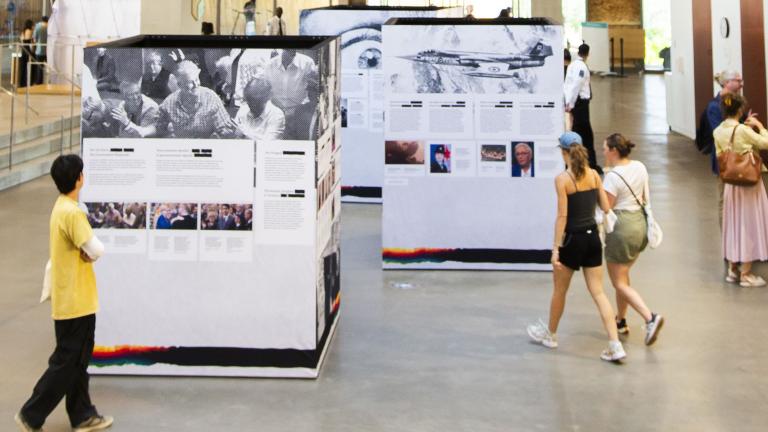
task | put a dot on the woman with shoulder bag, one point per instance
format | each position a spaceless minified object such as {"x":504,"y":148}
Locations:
{"x":745,"y":206}
{"x":577,"y":245}
{"x":626,"y":185}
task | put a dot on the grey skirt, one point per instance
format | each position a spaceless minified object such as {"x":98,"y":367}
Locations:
{"x":628,"y":239}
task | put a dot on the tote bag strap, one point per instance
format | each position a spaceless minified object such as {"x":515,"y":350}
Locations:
{"x":642,"y":206}
{"x":733,"y":135}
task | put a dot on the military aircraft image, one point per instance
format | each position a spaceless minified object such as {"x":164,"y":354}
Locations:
{"x":485,"y":65}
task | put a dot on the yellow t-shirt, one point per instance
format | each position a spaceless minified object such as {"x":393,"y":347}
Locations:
{"x":73,"y":283}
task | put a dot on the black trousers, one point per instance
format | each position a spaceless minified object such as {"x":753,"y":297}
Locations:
{"x":66,"y":375}
{"x":583,"y":127}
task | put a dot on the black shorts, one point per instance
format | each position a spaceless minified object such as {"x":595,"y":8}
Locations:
{"x":582,"y":249}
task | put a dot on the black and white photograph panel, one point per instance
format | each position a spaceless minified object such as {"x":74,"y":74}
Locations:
{"x":473,"y":59}
{"x":258,"y":94}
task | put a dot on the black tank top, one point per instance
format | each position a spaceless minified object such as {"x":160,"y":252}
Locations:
{"x":581,"y":209}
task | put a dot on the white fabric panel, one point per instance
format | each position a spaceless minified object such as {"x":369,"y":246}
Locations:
{"x":74,"y":23}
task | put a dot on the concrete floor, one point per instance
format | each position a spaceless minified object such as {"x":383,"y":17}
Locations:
{"x":451,"y":354}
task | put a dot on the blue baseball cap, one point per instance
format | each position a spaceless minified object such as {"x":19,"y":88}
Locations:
{"x":568,"y":139}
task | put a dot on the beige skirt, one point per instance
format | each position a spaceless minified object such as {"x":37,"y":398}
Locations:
{"x":628,"y":239}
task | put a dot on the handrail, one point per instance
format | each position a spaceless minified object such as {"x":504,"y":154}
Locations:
{"x":17,"y":50}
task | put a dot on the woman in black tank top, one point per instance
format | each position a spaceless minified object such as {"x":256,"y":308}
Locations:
{"x":577,"y":245}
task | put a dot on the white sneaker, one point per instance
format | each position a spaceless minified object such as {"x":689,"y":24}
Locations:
{"x":539,"y":333}
{"x":95,"y":423}
{"x":23,"y":425}
{"x":750,"y":280}
{"x":732,"y":276}
{"x":652,"y":328}
{"x":614,"y":353}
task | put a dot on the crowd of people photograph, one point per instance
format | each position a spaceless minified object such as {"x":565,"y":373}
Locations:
{"x":117,"y":215}
{"x":227,"y":217}
{"x":257,"y":94}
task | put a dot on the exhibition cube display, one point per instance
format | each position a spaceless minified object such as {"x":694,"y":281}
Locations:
{"x":363,"y":87}
{"x":212,"y":177}
{"x":472,"y":116}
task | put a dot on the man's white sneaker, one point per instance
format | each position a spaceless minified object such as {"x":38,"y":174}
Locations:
{"x":652,"y":328}
{"x":750,"y":280}
{"x":23,"y":425}
{"x":614,"y":352}
{"x":539,"y":333}
{"x":95,"y":423}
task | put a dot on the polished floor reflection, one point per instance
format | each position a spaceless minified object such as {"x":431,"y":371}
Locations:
{"x":450,"y":353}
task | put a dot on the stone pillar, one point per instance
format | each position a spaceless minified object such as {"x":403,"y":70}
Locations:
{"x":552,"y":9}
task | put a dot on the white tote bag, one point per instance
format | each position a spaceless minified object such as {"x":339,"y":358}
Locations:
{"x":654,"y":232}
{"x":46,"y":293}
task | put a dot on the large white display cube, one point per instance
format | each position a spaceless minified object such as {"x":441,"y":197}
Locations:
{"x":473,"y":112}
{"x":211,"y":167}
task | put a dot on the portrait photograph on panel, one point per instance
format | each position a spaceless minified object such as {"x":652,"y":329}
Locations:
{"x":174,"y":216}
{"x":404,"y":152}
{"x":117,"y":215}
{"x":493,"y":153}
{"x":522,"y":159}
{"x":226,"y":217}
{"x":258,"y":94}
{"x":440,"y":158}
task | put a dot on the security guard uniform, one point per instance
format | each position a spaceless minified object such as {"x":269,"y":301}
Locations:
{"x":578,"y":93}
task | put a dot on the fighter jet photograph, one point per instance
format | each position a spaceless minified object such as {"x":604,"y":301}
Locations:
{"x":485,"y":65}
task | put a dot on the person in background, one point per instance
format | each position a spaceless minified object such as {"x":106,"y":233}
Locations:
{"x":730,"y":82}
{"x":27,"y":54}
{"x":10,"y":10}
{"x":577,"y":244}
{"x":745,"y":208}
{"x":249,"y":12}
{"x":206,"y":29}
{"x":624,"y":185}
{"x":504,"y":13}
{"x":74,"y":304}
{"x":578,"y":93}
{"x":154,"y":82}
{"x":40,"y":37}
{"x":276,"y":24}
{"x":470,"y":9}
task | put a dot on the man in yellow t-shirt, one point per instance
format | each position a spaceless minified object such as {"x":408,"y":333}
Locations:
{"x":74,"y":303}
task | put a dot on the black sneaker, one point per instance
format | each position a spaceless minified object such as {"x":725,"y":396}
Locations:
{"x":621,"y":326}
{"x":652,"y":328}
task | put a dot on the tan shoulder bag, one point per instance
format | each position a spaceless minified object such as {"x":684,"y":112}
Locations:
{"x":740,"y":169}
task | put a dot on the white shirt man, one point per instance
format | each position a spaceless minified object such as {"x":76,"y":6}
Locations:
{"x":276,"y":24}
{"x":269,"y":125}
{"x":289,"y":83}
{"x":577,"y":83}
